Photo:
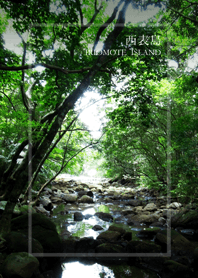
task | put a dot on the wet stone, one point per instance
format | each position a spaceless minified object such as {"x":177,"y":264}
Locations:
{"x":78,"y":216}
{"x":104,"y":216}
{"x":97,"y":228}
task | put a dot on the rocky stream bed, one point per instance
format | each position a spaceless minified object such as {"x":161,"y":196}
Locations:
{"x":114,"y":228}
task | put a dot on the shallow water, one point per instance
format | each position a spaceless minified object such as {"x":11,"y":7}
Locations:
{"x":63,"y":217}
{"x":95,"y":270}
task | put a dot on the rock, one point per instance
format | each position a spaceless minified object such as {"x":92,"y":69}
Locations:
{"x":86,"y":245}
{"x":127,"y":212}
{"x":109,"y":236}
{"x":105,"y":216}
{"x":144,"y":218}
{"x":148,"y":233}
{"x":127,"y":236}
{"x":71,"y":198}
{"x":47,"y":203}
{"x":150,"y":207}
{"x":56,"y":200}
{"x":174,"y":205}
{"x":42,"y":210}
{"x":177,"y":269}
{"x":85,"y":199}
{"x":170,"y":212}
{"x":109,"y":248}
{"x":178,"y":242}
{"x":186,"y":219}
{"x":78,"y":216}
{"x":117,"y":229}
{"x":97,"y":228}
{"x":142,"y":247}
{"x":81,"y":193}
{"x":134,"y":203}
{"x":47,"y":189}
{"x":189,"y":233}
{"x":90,"y":193}
{"x":69,"y":245}
{"x":18,"y":242}
{"x":20,"y":265}
{"x":43,"y":229}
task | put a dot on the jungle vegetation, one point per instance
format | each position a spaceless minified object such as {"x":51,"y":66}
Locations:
{"x":152,"y":117}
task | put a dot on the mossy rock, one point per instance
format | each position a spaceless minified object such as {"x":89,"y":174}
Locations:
{"x":20,"y":265}
{"x":186,"y":219}
{"x":135,"y":246}
{"x":109,"y":248}
{"x":69,"y":245}
{"x":18,"y":242}
{"x":148,"y":233}
{"x":109,"y":235}
{"x":43,"y":229}
{"x":117,"y":229}
{"x":178,"y":242}
{"x":177,"y":268}
{"x":21,"y":222}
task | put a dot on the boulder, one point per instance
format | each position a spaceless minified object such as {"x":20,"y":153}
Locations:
{"x":150,"y":207}
{"x":144,"y":218}
{"x":170,"y":212}
{"x":105,"y":216}
{"x":20,"y":265}
{"x":85,"y":199}
{"x":178,"y":242}
{"x":109,"y":236}
{"x":69,"y":244}
{"x":109,"y":248}
{"x":117,"y":229}
{"x":56,"y":200}
{"x":134,"y":203}
{"x":71,"y":198}
{"x":81,"y":193}
{"x":148,"y":233}
{"x":174,"y":205}
{"x":186,"y":218}
{"x":48,"y":190}
{"x":176,"y":269}
{"x":42,"y":210}
{"x":97,"y":228}
{"x":18,"y":242}
{"x":47,"y":203}
{"x":43,"y":229}
{"x":86,"y":245}
{"x":134,"y":246}
{"x":78,"y":216}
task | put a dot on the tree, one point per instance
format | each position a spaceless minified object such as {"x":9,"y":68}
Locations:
{"x":69,"y":72}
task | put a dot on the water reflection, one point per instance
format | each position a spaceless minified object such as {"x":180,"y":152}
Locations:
{"x":76,"y":269}
{"x":95,"y":270}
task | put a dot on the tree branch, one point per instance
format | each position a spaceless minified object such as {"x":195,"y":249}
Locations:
{"x":194,"y":21}
{"x":106,"y":24}
{"x":8,"y":99}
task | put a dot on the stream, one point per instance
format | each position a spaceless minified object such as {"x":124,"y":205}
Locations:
{"x":63,"y":217}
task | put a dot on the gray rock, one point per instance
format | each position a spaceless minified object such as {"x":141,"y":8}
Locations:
{"x":134,"y":203}
{"x":69,"y":197}
{"x":150,"y":207}
{"x":174,"y":205}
